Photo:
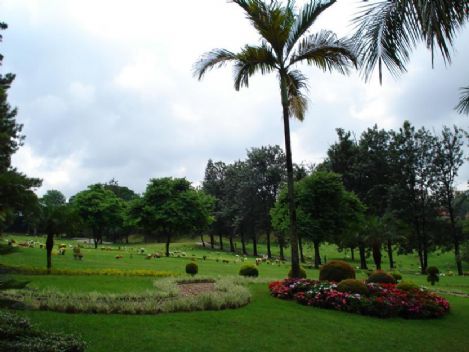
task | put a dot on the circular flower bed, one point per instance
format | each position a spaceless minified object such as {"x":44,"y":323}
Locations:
{"x":382,"y":300}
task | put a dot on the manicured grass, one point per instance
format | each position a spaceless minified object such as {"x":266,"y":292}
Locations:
{"x":265,"y":324}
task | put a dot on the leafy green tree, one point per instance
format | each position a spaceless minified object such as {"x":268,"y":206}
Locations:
{"x":388,"y":31}
{"x":285,"y":43}
{"x":123,"y":192}
{"x":412,"y":153}
{"x":56,"y":218}
{"x":266,"y":166}
{"x":171,"y":207}
{"x":100,"y":209}
{"x":449,"y":157}
{"x":16,"y":189}
{"x":325,"y":210}
{"x":214,"y":185}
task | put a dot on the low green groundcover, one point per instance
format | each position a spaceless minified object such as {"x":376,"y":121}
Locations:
{"x":165,"y":297}
{"x":18,"y":335}
{"x":382,"y":300}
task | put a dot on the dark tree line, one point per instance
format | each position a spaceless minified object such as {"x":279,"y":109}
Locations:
{"x":245,"y":192}
{"x":406,"y":178}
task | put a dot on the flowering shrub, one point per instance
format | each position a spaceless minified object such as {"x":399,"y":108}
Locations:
{"x":382,"y":300}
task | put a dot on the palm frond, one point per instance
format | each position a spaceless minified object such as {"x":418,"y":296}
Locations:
{"x":251,"y":60}
{"x":463,"y":105}
{"x":273,"y":21}
{"x":326,"y":51}
{"x":213,"y":59}
{"x":298,"y":103}
{"x":386,"y":32}
{"x":439,"y":21}
{"x":305,"y":19}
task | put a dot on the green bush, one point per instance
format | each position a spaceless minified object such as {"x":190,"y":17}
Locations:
{"x":407,"y":286}
{"x":336,"y":270}
{"x":397,"y":276}
{"x":302,"y":274}
{"x":249,"y":270}
{"x":17,"y":335}
{"x":192,"y":268}
{"x":433,"y":275}
{"x":352,"y":286}
{"x":381,"y":277}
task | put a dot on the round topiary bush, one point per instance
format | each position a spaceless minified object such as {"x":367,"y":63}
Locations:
{"x":192,"y":268}
{"x":352,"y":286}
{"x":249,"y":270}
{"x":381,"y":277}
{"x":302,"y":274}
{"x":397,"y":276}
{"x":433,"y":275}
{"x":407,"y":286}
{"x":336,"y":270}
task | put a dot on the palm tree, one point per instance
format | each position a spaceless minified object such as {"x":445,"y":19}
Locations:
{"x":388,"y":31}
{"x":285,"y":42}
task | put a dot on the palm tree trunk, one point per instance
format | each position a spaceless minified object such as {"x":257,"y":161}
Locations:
{"x":295,"y":260}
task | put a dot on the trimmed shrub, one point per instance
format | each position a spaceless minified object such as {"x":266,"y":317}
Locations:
{"x":249,"y":270}
{"x":381,"y":277}
{"x":397,"y":276}
{"x":352,"y":286}
{"x":407,"y":286}
{"x":192,"y":268}
{"x":336,"y":270}
{"x":433,"y":275}
{"x":302,"y":274}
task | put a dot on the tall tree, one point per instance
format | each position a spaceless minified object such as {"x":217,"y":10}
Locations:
{"x":267,"y":170}
{"x":171,"y":207}
{"x":412,"y":153}
{"x":16,"y":189}
{"x":214,"y":185}
{"x":448,"y":159}
{"x":388,"y":31}
{"x":100,"y":209}
{"x":56,"y":218}
{"x":285,"y":43}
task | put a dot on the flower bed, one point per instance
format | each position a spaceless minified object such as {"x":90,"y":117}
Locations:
{"x":383,"y":300}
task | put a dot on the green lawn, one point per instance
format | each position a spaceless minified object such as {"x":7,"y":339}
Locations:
{"x":265,"y":324}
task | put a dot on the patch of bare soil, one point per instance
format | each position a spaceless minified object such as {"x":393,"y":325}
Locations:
{"x":195,"y":288}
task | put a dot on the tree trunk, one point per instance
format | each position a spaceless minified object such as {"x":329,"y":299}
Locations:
{"x":361,"y":251}
{"x":456,"y":241}
{"x":317,"y":256}
{"x":212,"y":241}
{"x":254,"y":245}
{"x":269,"y":252}
{"x":95,"y":243}
{"x":232,"y":248}
{"x":300,"y":243}
{"x":282,"y":255}
{"x":221,"y":241}
{"x":49,"y":247}
{"x":202,"y":239}
{"x":243,"y":244}
{"x":352,"y":253}
{"x":390,"y":255}
{"x":295,"y":261}
{"x":168,"y":240}
{"x":376,"y":249}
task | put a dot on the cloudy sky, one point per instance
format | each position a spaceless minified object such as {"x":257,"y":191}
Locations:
{"x":105,"y":90}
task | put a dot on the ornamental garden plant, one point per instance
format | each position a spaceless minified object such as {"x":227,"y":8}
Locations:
{"x":383,"y":300}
